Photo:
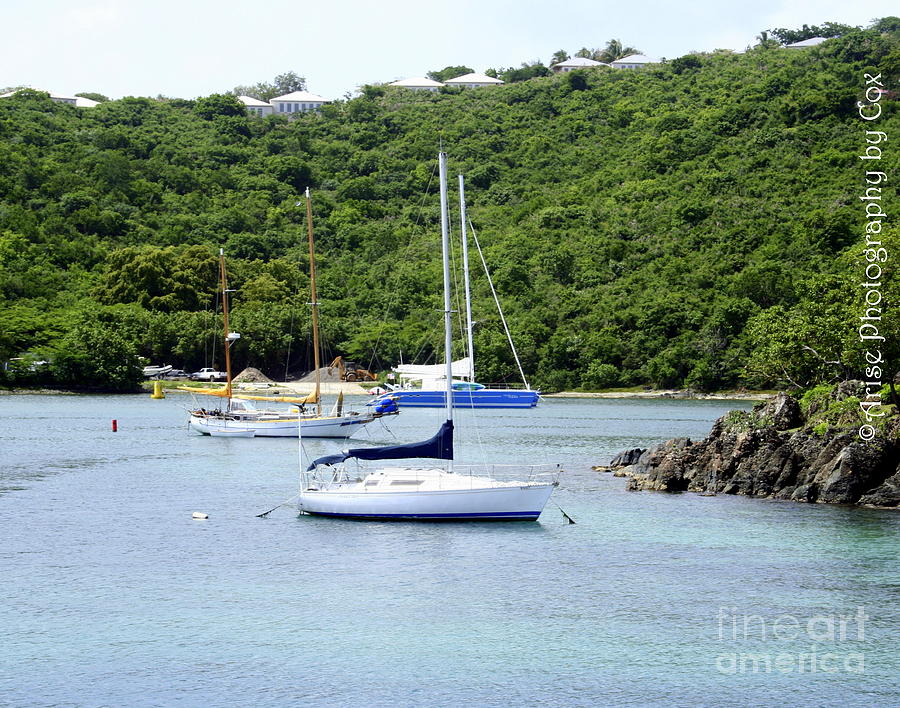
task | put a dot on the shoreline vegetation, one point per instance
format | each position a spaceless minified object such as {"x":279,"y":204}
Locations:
{"x":691,"y":225}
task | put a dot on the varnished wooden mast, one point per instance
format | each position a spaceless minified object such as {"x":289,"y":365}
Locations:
{"x":314,"y":303}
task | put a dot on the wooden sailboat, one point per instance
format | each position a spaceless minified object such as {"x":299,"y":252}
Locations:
{"x":239,"y":416}
{"x":424,"y":493}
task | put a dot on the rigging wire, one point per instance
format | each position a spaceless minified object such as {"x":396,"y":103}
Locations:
{"x":404,"y":259}
{"x":499,"y":309}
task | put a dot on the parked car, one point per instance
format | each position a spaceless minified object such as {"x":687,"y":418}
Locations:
{"x":209,"y":374}
{"x":176,"y":374}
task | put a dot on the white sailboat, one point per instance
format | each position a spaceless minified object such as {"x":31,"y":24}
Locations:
{"x":239,"y":417}
{"x":422,"y":385}
{"x":422,"y":493}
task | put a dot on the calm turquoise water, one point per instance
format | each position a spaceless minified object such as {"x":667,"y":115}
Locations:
{"x":113,"y":596}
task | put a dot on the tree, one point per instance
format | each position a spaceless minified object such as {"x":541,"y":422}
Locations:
{"x":449,"y":72}
{"x":219,"y":104}
{"x":99,"y":97}
{"x":164,"y":279}
{"x":289,"y":82}
{"x":559,"y":55}
{"x":94,"y":355}
{"x":523,"y":73}
{"x":829,"y":29}
{"x":285,"y":83}
{"x":887,"y":25}
{"x":614,"y":50}
{"x":764,"y":41}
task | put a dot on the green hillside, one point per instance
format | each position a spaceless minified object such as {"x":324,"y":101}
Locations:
{"x":693,"y":224}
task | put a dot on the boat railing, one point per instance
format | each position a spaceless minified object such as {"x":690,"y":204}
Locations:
{"x":328,"y":476}
{"x":507,"y":385}
{"x":512,"y":472}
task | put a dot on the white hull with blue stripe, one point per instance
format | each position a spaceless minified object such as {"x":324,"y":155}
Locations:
{"x":408,"y":494}
{"x":481,"y":398}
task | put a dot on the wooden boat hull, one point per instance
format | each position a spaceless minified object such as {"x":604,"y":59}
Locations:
{"x":326,"y":427}
{"x":232,"y":432}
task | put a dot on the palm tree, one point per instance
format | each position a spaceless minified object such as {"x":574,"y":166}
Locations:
{"x":559,"y":56}
{"x":614,"y":50}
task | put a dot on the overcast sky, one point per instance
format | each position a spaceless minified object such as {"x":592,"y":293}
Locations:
{"x":190,"y":48}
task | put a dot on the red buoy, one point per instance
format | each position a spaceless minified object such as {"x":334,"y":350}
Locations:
{"x":115,"y":425}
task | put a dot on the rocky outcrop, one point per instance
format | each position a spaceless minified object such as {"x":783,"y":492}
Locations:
{"x":769,"y":453}
{"x":627,"y":457}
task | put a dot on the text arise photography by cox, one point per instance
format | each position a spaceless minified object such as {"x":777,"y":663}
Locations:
{"x":875,"y":254}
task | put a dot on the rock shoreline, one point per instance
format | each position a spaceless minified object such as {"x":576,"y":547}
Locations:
{"x":772,"y":453}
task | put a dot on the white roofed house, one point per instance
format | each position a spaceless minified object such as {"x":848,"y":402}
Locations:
{"x":418,"y":84}
{"x":804,"y":43}
{"x":633,"y":61}
{"x":255,"y":106}
{"x":473,"y":80}
{"x":576,"y":63}
{"x":57,"y":98}
{"x":297,"y":102}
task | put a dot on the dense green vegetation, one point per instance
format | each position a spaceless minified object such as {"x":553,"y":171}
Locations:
{"x":694,"y":224}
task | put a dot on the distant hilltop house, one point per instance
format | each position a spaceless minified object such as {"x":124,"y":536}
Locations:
{"x":297,"y":102}
{"x":418,"y":84}
{"x":77,"y":101}
{"x":633,"y":61}
{"x":575,"y":63}
{"x":255,"y":106}
{"x":473,"y":81}
{"x":803,"y":44}
{"x":466,"y":80}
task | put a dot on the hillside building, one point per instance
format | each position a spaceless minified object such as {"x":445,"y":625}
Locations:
{"x":417,"y":84}
{"x":575,"y":63}
{"x":473,"y":81}
{"x":297,"y":102}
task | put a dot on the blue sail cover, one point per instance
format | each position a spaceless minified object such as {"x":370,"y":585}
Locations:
{"x":440,"y":446}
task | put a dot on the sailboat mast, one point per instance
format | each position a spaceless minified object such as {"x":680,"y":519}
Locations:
{"x":445,"y":253}
{"x":314,"y":303}
{"x":465,"y":259}
{"x":227,"y":328}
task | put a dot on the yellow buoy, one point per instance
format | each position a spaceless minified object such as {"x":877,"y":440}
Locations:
{"x":157,"y":390}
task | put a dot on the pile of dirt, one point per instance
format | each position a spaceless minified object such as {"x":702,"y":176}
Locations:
{"x":324,"y":376}
{"x":251,"y":375}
